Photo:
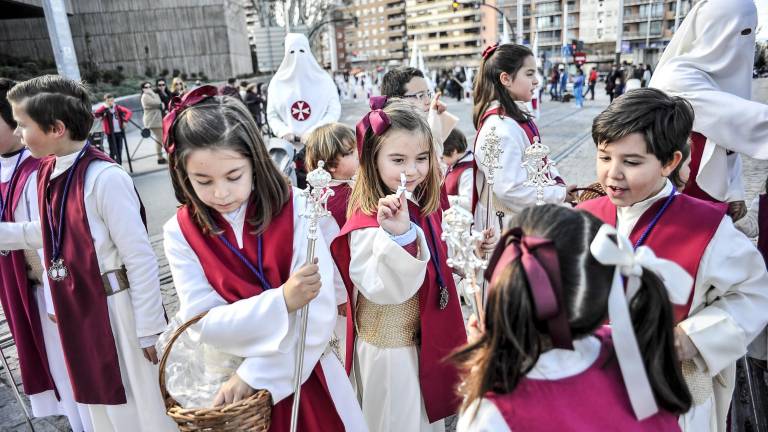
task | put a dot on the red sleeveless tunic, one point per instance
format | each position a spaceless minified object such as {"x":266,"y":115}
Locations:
{"x":234,"y":281}
{"x":674,"y":237}
{"x":442,"y":331}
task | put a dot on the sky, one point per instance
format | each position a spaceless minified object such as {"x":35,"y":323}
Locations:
{"x":762,"y":19}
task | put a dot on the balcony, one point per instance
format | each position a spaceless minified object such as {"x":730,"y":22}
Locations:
{"x":549,"y":11}
{"x":549,"y":27}
{"x":642,"y":17}
{"x":551,"y":41}
{"x":655,"y":34}
{"x":636,"y":2}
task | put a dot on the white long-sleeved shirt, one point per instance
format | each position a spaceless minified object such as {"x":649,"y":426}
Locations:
{"x":119,"y":239}
{"x":259,"y":328}
{"x":508,"y":188}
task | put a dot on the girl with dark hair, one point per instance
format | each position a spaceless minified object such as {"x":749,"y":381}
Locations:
{"x":506,"y":80}
{"x":226,"y":248}
{"x":543,"y":358}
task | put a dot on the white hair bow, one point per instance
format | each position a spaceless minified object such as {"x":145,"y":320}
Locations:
{"x":611,"y":248}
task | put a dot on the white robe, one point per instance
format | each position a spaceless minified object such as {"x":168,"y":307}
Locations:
{"x":555,"y":364}
{"x":259,"y":328}
{"x":727,"y":311}
{"x":709,"y":63}
{"x":45,"y":403}
{"x":508,"y":187}
{"x":136,"y":315}
{"x":387,"y":379}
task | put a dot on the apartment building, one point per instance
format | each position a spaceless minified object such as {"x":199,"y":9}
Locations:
{"x":379,"y":39}
{"x":648,"y":26}
{"x":446,"y":37}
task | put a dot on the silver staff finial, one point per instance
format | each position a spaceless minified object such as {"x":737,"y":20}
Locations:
{"x":461,"y":241}
{"x":537,"y":164}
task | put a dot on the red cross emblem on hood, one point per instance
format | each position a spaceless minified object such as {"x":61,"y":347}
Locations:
{"x":300,"y":110}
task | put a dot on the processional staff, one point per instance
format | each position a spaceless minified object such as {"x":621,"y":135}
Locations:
{"x":457,"y":233}
{"x":317,"y":194}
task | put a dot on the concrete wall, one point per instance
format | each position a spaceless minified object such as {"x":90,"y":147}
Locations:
{"x":190,"y":35}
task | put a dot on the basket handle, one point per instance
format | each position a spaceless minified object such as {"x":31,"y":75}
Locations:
{"x":167,"y":351}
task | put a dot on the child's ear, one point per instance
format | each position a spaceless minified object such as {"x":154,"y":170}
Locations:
{"x":506,"y":79}
{"x":670,"y":166}
{"x":331,"y":170}
{"x":58,"y":128}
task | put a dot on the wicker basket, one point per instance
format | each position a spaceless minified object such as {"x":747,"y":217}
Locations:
{"x":252,"y":414}
{"x":595,"y":190}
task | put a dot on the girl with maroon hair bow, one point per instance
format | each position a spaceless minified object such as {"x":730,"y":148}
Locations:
{"x":404,"y":315}
{"x":543,"y":359}
{"x":237,"y":250}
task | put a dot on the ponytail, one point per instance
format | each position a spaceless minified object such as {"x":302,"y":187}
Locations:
{"x":501,"y":357}
{"x":653,"y":323}
{"x":507,"y":58}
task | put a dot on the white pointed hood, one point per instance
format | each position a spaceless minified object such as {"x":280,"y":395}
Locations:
{"x":301,"y":90}
{"x":709,"y":62}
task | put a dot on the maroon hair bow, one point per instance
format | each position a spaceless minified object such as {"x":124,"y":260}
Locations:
{"x":376,"y":119}
{"x":490,"y":50}
{"x":178,"y":105}
{"x":542,"y":269}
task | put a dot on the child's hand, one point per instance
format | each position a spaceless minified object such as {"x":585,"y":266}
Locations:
{"x":393,"y":215}
{"x":302,"y":287}
{"x":473,"y":329}
{"x":150,"y":353}
{"x":342,"y":309}
{"x":235,"y":389}
{"x":684,"y":346}
{"x":436,"y":104}
{"x":488,"y":244}
{"x":737,"y":210}
{"x":572,"y":196}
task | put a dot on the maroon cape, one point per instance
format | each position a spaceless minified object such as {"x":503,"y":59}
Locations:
{"x":691,"y":187}
{"x":79,"y":300}
{"x":564,"y":405}
{"x":234,"y":281}
{"x":18,"y":297}
{"x":337,"y":204}
{"x":453,"y":177}
{"x":762,"y":225}
{"x":681,"y":234}
{"x":442,"y":331}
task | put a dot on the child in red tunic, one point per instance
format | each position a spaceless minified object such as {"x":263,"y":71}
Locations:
{"x":641,"y":139}
{"x":334,"y":144}
{"x":403,"y":303}
{"x":542,"y":362}
{"x":237,"y":250}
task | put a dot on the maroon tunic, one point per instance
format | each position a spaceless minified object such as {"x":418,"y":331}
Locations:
{"x":593,"y":400}
{"x":17,"y":296}
{"x":79,"y":300}
{"x":337,"y":204}
{"x":674,"y":237}
{"x":691,"y":187}
{"x":442,"y":331}
{"x":234,"y":281}
{"x":453,"y":177}
{"x":762,"y":226}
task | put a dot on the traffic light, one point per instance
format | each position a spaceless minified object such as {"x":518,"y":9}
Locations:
{"x":455,"y":6}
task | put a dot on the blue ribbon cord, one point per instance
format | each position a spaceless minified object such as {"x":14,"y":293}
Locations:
{"x":56,"y":241}
{"x":258,"y":272}
{"x":656,"y":217}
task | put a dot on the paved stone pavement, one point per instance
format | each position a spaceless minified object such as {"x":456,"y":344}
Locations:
{"x":565,"y":128}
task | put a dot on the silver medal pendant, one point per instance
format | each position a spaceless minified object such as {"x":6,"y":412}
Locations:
{"x":443,"y":298}
{"x":57,"y":271}
{"x":4,"y":252}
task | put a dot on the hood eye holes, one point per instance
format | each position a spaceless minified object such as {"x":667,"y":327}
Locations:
{"x":292,"y":51}
{"x":746,"y":32}
{"x":301,"y":50}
